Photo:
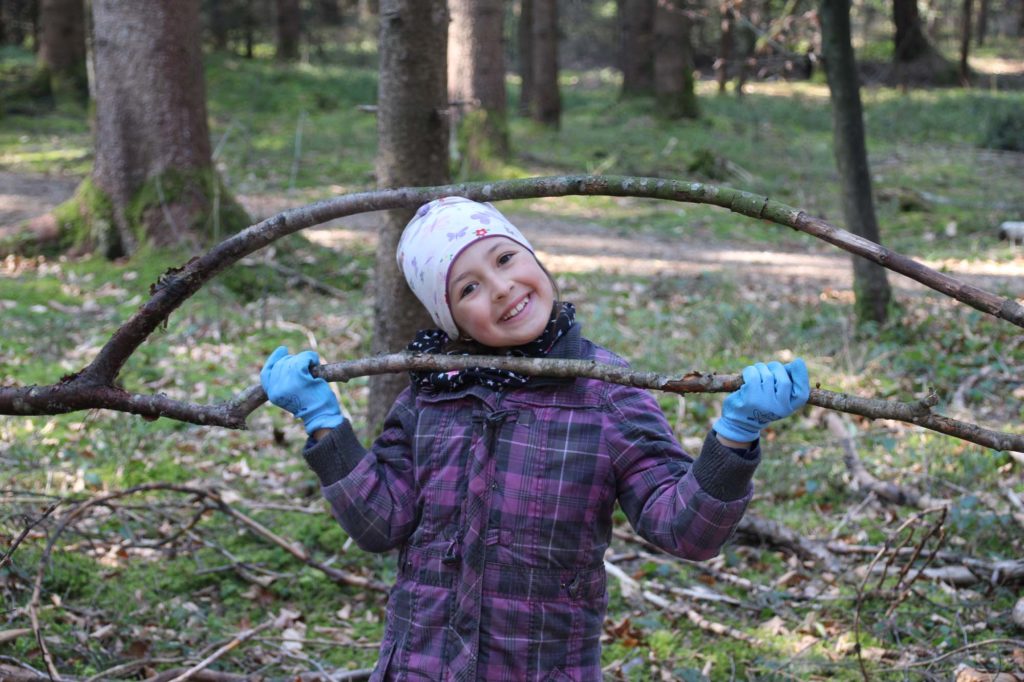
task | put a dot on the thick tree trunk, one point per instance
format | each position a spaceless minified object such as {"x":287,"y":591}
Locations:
{"x":525,"y":34}
{"x":871,"y":287}
{"x":476,"y":80}
{"x":412,"y":126}
{"x":289,"y":29}
{"x":636,"y":51}
{"x":910,"y":40}
{"x":965,"y":43}
{"x":673,"y":63}
{"x":546,"y":103}
{"x":62,"y":46}
{"x":153,"y":170}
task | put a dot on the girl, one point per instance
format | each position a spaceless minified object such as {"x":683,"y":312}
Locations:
{"x":498,"y":489}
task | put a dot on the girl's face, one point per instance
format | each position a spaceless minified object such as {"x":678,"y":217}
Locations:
{"x":498,"y":293}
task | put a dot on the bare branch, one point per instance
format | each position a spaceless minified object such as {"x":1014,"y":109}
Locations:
{"x":93,"y":387}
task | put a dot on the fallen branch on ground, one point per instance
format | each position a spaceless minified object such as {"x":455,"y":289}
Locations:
{"x":866,"y":481}
{"x":94,"y":386}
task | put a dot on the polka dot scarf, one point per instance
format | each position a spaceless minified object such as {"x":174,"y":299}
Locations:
{"x":434,"y":341}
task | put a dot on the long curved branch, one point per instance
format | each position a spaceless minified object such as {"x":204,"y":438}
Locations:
{"x":233,"y":413}
{"x":93,"y":386}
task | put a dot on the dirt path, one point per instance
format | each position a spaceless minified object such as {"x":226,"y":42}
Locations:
{"x":586,"y":247}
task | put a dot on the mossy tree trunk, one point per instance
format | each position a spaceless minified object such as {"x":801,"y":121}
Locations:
{"x":476,"y":81}
{"x":636,"y":46}
{"x":674,"y":86}
{"x":153,"y":180}
{"x":412,"y":129}
{"x":871,"y":286}
{"x":62,"y":48}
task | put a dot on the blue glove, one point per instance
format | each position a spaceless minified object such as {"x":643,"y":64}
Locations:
{"x":289,"y":385}
{"x":769,"y":392}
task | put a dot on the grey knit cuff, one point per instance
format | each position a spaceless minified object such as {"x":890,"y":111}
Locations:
{"x":335,"y":455}
{"x":724,"y":473}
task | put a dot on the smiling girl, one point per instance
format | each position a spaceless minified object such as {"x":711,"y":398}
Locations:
{"x":498,"y":489}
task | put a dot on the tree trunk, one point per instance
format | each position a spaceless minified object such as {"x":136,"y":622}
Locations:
{"x":871,"y":287}
{"x":476,"y":80}
{"x":412,"y":127}
{"x":289,"y":29}
{"x":910,"y":40}
{"x":965,"y":43}
{"x":725,"y":44}
{"x":62,"y":47}
{"x":17,"y":16}
{"x":673,"y":63}
{"x":219,"y":25}
{"x":153,"y":179}
{"x":525,"y":33}
{"x":982,"y":22}
{"x":636,"y":52}
{"x":546,"y":102}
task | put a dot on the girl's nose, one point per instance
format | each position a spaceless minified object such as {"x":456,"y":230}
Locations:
{"x":502,"y":288}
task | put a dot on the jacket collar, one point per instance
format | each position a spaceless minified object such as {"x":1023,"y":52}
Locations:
{"x":569,"y":347}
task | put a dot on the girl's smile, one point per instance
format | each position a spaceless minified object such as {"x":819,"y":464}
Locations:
{"x":498,"y":293}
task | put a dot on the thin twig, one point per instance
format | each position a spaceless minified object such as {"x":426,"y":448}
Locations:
{"x":238,"y":639}
{"x":24,"y":533}
{"x":960,"y":650}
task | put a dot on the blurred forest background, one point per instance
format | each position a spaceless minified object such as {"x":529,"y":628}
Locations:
{"x":133,"y":136}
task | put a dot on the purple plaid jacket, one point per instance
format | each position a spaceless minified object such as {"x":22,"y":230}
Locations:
{"x":500,"y":504}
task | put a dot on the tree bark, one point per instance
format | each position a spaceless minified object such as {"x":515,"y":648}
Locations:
{"x":289,"y":29}
{"x":62,"y":47}
{"x":982,"y":22}
{"x":965,"y":43}
{"x":910,"y":42}
{"x":219,"y":25}
{"x":476,"y":80}
{"x":546,"y":103}
{"x":153,"y":166}
{"x":725,"y":43}
{"x":673,"y":62}
{"x":525,"y":35}
{"x":636,"y":51}
{"x":412,"y":127}
{"x":871,"y":286}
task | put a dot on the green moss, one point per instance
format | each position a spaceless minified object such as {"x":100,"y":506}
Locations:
{"x":203,"y":187}
{"x":483,"y":143}
{"x":85,"y":222}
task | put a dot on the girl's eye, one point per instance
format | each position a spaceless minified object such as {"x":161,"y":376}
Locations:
{"x":467,"y":290}
{"x":505,"y":257}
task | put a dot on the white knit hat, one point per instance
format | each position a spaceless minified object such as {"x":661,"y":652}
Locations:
{"x":433,"y":240}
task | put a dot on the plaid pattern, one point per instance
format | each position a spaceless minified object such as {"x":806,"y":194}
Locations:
{"x":501,"y":504}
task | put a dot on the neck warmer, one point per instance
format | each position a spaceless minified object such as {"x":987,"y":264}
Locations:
{"x":563,"y":316}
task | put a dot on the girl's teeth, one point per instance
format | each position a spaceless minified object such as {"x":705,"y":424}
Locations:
{"x":518,"y":309}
